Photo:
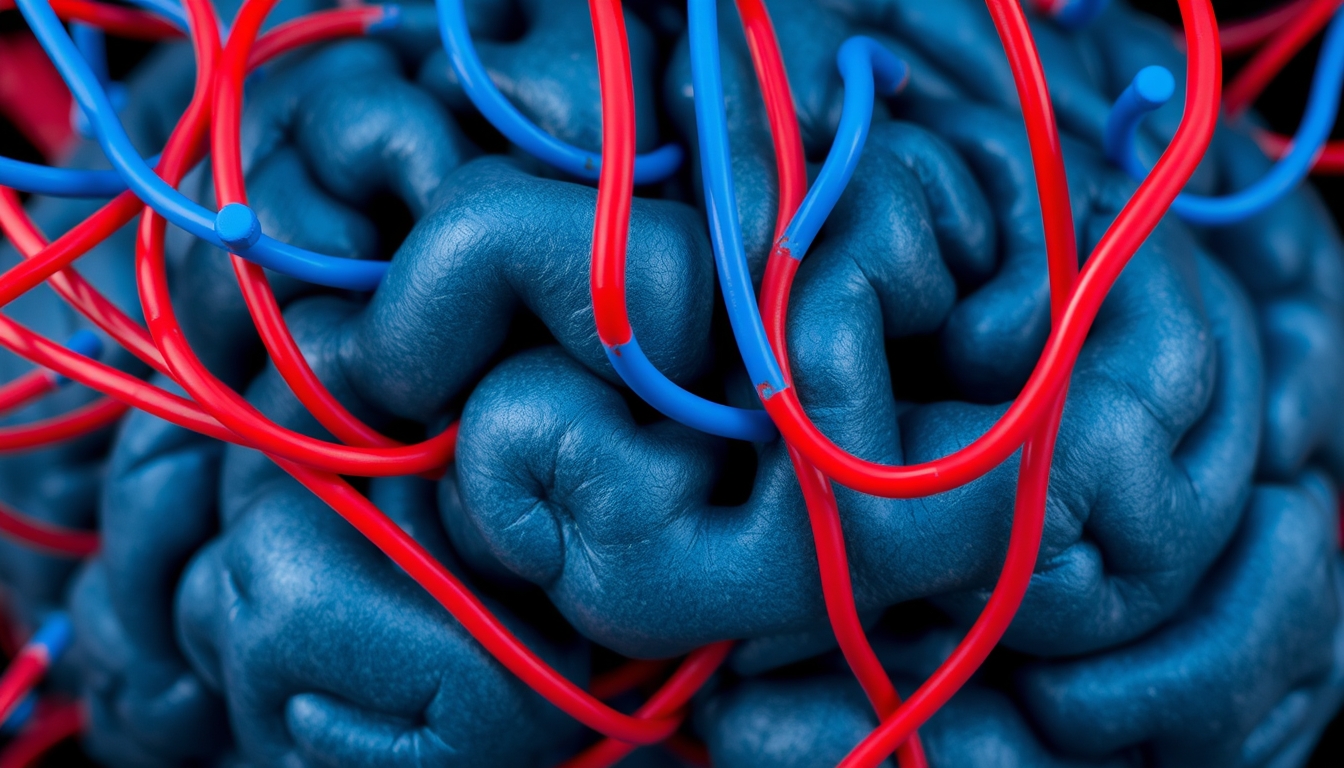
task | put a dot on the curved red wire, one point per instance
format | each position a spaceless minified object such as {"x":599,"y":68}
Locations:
{"x":43,"y":536}
{"x":222,"y":413}
{"x":53,"y":724}
{"x":1269,"y":60}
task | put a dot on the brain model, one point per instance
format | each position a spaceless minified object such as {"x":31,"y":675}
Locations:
{"x":1186,"y":603}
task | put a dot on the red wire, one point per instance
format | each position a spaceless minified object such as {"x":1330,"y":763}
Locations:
{"x":1280,"y":49}
{"x":1330,"y":161}
{"x":1242,"y":36}
{"x":818,"y":495}
{"x":1122,"y":239}
{"x":626,"y":678}
{"x":229,"y":188}
{"x":25,"y":389}
{"x":1204,"y":76}
{"x":50,"y":727}
{"x":122,"y":22}
{"x":53,"y":539}
{"x":19,"y":679}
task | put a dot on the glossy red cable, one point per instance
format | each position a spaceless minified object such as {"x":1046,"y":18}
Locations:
{"x":50,"y":727}
{"x":1130,"y":228}
{"x":819,"y":497}
{"x":1329,"y":162}
{"x":1278,"y":51}
{"x":1245,"y":35}
{"x":53,"y":539}
{"x":112,"y":19}
{"x":229,"y":188}
{"x":25,"y":389}
{"x":1203,"y":78}
{"x":19,"y":678}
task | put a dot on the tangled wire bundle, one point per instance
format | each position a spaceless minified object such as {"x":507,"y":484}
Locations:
{"x":998,"y":449}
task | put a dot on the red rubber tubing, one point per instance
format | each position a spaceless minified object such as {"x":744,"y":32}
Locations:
{"x":52,"y":539}
{"x":25,"y":389}
{"x":50,"y":727}
{"x":1203,"y":78}
{"x":1278,"y":51}
{"x":1329,"y":162}
{"x":78,"y":422}
{"x":1245,"y":35}
{"x":1129,"y":229}
{"x":229,"y":188}
{"x":626,"y":678}
{"x":21,"y":677}
{"x":818,"y":495}
{"x":112,"y":19}
{"x":73,"y":288}
{"x":226,"y":405}
{"x":493,"y":635}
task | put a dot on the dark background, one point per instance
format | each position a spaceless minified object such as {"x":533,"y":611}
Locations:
{"x":1281,"y":105}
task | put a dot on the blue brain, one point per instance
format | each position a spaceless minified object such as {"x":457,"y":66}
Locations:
{"x":1186,"y":608}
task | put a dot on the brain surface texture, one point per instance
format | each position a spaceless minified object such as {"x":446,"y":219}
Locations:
{"x":1187,"y":605}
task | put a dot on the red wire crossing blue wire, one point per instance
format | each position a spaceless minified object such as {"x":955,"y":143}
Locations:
{"x":215,"y":410}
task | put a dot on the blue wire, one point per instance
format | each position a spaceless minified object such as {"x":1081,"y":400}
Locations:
{"x":61,"y":182}
{"x":1153,"y":86}
{"x":629,"y":359}
{"x":89,"y":41}
{"x":866,"y":67}
{"x":20,"y":717}
{"x":161,"y":196}
{"x":652,"y":167}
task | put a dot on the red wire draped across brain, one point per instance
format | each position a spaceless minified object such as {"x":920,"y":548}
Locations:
{"x":538,"y":384}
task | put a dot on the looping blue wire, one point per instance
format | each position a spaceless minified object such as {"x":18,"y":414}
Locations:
{"x":1153,"y":86}
{"x":20,"y":716}
{"x":639,"y":373}
{"x":161,"y":196}
{"x":505,"y":117}
{"x":866,"y":67}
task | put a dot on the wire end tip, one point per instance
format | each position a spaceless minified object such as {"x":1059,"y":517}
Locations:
{"x":1154,"y":86}
{"x":237,"y":226}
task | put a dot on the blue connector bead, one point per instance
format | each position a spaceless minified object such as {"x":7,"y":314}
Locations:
{"x":237,"y":226}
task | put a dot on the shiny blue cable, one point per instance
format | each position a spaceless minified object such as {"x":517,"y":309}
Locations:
{"x":89,"y":41}
{"x":629,"y":360}
{"x":61,"y":182}
{"x":20,"y":717}
{"x":234,"y":228}
{"x":1153,"y":86}
{"x":505,"y":117}
{"x":721,"y":201}
{"x":866,"y":68}
{"x":640,"y":374}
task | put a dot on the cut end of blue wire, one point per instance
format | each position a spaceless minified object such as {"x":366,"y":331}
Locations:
{"x":237,"y":226}
{"x":1154,"y":86}
{"x":1076,"y":14}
